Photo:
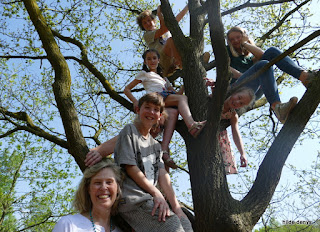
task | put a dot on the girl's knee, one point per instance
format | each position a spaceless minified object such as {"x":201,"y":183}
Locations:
{"x":272,"y":51}
{"x":261,"y":63}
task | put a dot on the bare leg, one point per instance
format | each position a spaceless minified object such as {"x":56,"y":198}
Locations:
{"x":303,"y":76}
{"x":181,"y":101}
{"x":273,"y":105}
{"x":169,"y":128}
{"x":171,"y":51}
{"x":306,"y":77}
{"x":167,"y":135}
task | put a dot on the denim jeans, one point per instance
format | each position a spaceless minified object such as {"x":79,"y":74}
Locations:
{"x":286,"y":65}
{"x":266,"y":82}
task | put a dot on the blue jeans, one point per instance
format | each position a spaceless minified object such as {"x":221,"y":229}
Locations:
{"x":286,"y":65}
{"x":266,"y":83}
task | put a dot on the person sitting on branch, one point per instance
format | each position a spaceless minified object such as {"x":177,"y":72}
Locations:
{"x":152,"y":80}
{"x":143,"y":206}
{"x":160,"y":39}
{"x":246,"y":59}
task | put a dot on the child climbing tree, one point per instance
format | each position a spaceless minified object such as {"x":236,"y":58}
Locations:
{"x":75,"y":37}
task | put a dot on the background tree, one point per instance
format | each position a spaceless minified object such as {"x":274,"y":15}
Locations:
{"x":72,"y":99}
{"x":34,"y":191}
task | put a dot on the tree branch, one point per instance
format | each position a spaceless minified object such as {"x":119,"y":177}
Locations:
{"x":36,"y":224}
{"x":85,"y":61}
{"x":267,"y":35}
{"x":270,"y":170}
{"x":275,"y":60}
{"x":123,"y":8}
{"x":249,"y":4}
{"x":9,"y":132}
{"x":61,"y":85}
{"x":30,"y":127}
{"x":173,"y":26}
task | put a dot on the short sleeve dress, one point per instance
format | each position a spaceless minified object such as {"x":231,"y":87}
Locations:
{"x":226,"y":148}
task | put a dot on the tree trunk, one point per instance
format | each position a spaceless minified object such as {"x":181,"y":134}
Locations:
{"x":214,"y":207}
{"x":61,"y":87}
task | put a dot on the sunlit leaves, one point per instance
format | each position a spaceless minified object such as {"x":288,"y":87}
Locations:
{"x":34,"y":184}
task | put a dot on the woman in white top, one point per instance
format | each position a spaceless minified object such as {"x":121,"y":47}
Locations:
{"x":96,"y":200}
{"x":152,"y":81}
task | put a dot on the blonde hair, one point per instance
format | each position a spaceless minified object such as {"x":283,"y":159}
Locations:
{"x":82,"y":201}
{"x":143,"y":15}
{"x":250,"y":92}
{"x":243,"y":32}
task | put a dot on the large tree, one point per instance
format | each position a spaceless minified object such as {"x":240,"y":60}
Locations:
{"x":68,"y":89}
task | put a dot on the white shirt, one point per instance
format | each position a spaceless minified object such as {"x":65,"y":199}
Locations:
{"x":152,"y":82}
{"x":77,"y":223}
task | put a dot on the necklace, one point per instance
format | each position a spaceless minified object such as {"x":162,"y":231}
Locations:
{"x":94,"y":226}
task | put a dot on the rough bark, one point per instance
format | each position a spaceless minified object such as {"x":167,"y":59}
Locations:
{"x":61,"y":86}
{"x":269,"y":172}
{"x":215,"y":209}
{"x":208,"y":180}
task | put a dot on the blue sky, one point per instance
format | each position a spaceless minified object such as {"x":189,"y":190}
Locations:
{"x":301,"y":156}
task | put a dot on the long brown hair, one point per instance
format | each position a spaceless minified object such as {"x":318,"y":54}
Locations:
{"x":145,"y":67}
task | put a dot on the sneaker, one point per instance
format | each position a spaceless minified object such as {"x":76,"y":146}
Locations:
{"x":282,"y":110}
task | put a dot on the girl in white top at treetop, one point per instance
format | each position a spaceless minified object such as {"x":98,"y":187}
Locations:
{"x":151,"y":78}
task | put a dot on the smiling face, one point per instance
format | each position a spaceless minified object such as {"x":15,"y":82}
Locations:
{"x":152,"y":61}
{"x":235,"y":39}
{"x":238,"y":100}
{"x":149,"y":114}
{"x":103,"y":189}
{"x":148,"y":23}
